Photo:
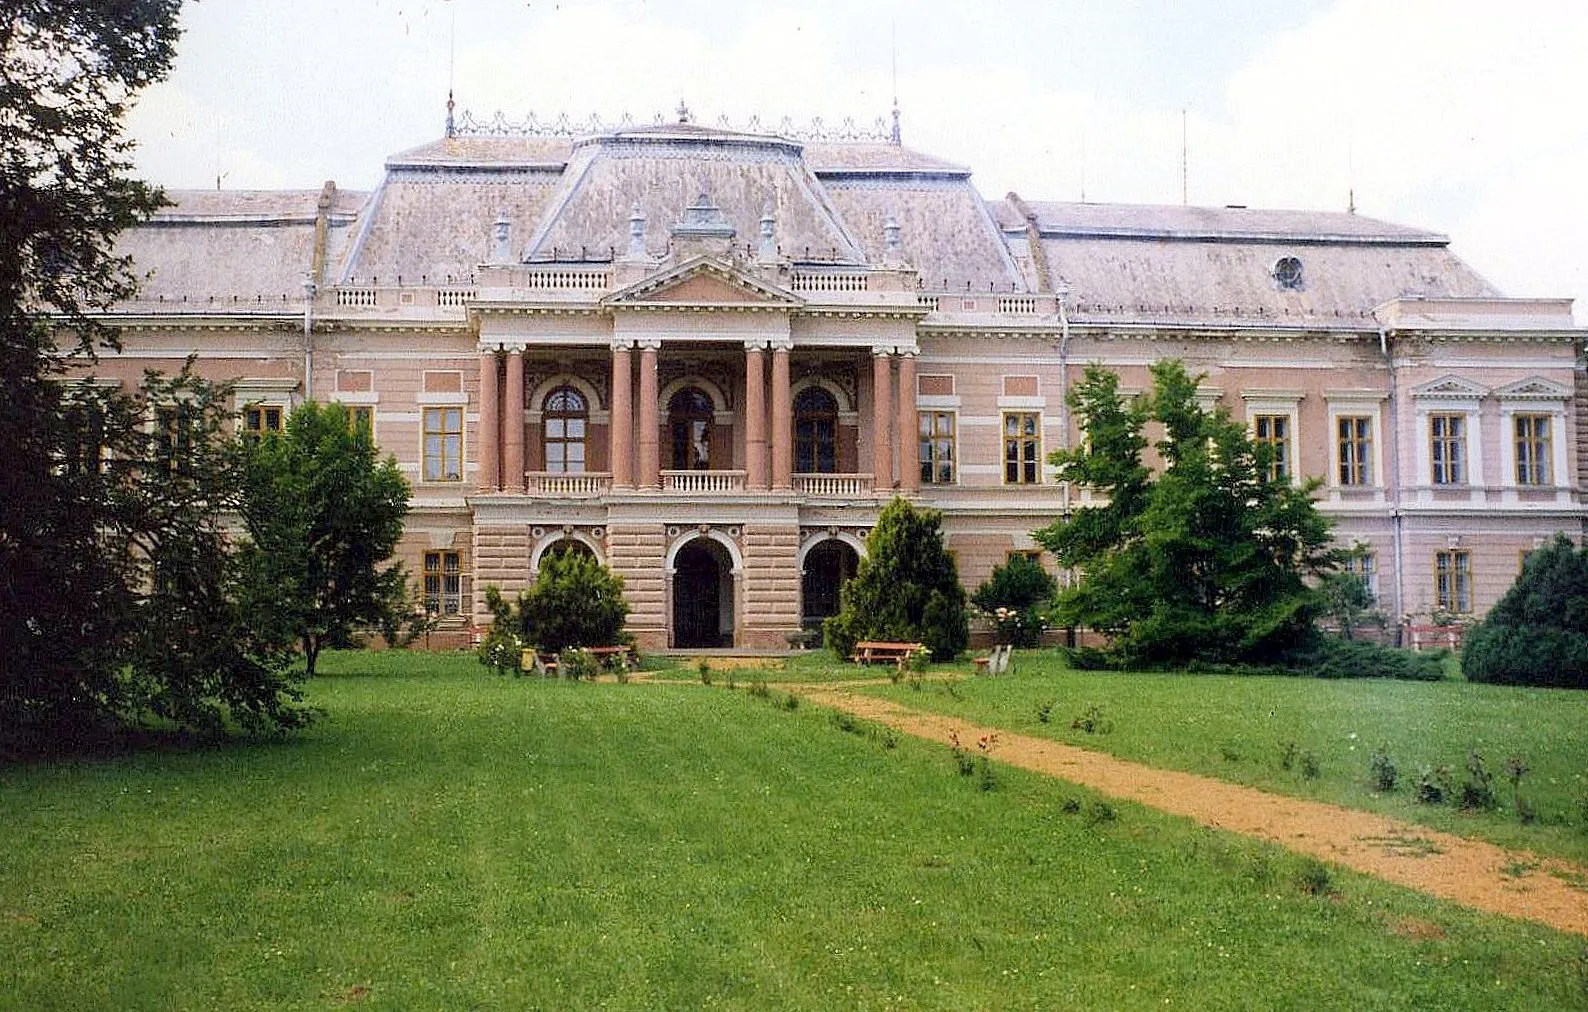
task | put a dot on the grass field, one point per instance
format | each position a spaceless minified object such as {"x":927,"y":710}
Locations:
{"x":445,"y":839}
{"x":1236,"y":728}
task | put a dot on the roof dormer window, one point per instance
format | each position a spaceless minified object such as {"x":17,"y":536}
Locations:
{"x":1287,"y":273}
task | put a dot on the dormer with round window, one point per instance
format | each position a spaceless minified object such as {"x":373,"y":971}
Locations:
{"x":1287,"y":273}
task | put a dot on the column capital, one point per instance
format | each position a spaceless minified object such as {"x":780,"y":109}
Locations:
{"x":512,"y":347}
{"x":648,"y":343}
{"x":755,"y":344}
{"x":781,"y":342}
{"x":907,"y":351}
{"x":490,"y":347}
{"x":623,"y":343}
{"x":882,"y":350}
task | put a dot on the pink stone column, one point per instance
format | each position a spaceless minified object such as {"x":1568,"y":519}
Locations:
{"x":490,"y":421}
{"x":782,"y":420}
{"x":909,"y":426}
{"x":513,"y":423}
{"x":622,"y":427}
{"x":650,"y":462}
{"x":881,"y":418}
{"x":755,"y":414}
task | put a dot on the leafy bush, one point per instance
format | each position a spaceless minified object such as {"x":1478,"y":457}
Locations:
{"x":1381,"y":768}
{"x":1434,"y":786}
{"x":1333,"y":657}
{"x":502,"y":649}
{"x":578,"y":664}
{"x":1537,"y":633}
{"x":905,"y":590}
{"x":575,"y":602}
{"x":1477,"y":790}
{"x":1016,"y":596}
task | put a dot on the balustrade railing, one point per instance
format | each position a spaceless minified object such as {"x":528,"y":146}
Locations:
{"x":703,"y":481}
{"x":589,"y":485}
{"x":824,"y":281}
{"x":833,"y":486}
{"x":551,"y":278}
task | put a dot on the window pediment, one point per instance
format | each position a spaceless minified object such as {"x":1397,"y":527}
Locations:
{"x":1534,"y":388}
{"x":1451,"y":387}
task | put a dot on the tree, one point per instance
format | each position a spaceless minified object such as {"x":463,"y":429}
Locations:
{"x":906,"y":589}
{"x":117,"y":596}
{"x":1209,"y":559}
{"x":1537,"y":633}
{"x":1021,"y":589}
{"x":574,"y":602}
{"x":323,"y":513}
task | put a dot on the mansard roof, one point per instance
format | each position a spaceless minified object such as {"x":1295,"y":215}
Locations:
{"x":571,"y":197}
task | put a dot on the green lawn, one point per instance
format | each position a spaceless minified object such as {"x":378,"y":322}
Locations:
{"x":445,"y":839}
{"x":1235,"y":727}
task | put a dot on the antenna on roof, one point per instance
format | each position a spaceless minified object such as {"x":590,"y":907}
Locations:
{"x":893,"y":45}
{"x":452,"y":63}
{"x":1184,"y":168}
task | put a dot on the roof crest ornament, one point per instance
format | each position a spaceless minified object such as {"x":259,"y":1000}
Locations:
{"x":466,"y":124}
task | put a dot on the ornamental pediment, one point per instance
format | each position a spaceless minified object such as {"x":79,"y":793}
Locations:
{"x":1534,"y":388}
{"x":704,"y":282}
{"x":1451,"y":386}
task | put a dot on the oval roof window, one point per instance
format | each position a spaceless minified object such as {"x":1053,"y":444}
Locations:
{"x":1287,"y":272}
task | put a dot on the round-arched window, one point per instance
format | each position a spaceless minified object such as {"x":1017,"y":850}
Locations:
{"x":815,"y":432}
{"x":689,"y":414}
{"x":566,"y":416}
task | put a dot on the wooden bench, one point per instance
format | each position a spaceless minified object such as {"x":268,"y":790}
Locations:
{"x":545,"y":664}
{"x":996,"y":662}
{"x":877,"y":652}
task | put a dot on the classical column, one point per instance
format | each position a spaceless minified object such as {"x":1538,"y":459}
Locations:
{"x":755,"y":412}
{"x":909,"y":451}
{"x":621,"y":431}
{"x":513,"y":423}
{"x":490,"y":421}
{"x":782,"y":418}
{"x":881,"y":417}
{"x":648,"y":472}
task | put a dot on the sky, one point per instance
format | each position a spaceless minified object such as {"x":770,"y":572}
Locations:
{"x":1463,"y":117}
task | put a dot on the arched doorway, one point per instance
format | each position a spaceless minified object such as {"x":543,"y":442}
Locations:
{"x":828,"y":566}
{"x":815,"y":432}
{"x":689,"y":416}
{"x":702,"y":595}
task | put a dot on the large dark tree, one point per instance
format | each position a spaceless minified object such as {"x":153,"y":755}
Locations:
{"x":1207,"y":560}
{"x":1537,"y":633}
{"x":324,"y":514}
{"x":906,"y":589}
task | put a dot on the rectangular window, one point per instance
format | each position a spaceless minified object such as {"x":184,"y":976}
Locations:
{"x":1022,"y":447}
{"x":443,"y":444}
{"x":173,"y":433}
{"x":1532,"y":449}
{"x":936,"y":447}
{"x":1273,"y":431}
{"x":1354,"y":438}
{"x":1453,"y":582}
{"x":443,"y":583}
{"x":1364,"y":566}
{"x":1034,"y":554}
{"x":1447,"y":446}
{"x":361,"y":418}
{"x":259,"y":418}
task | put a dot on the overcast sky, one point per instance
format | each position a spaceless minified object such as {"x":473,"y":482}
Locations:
{"x":1468,"y":118}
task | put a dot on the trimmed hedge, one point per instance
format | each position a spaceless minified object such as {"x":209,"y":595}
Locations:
{"x":1327,"y":657}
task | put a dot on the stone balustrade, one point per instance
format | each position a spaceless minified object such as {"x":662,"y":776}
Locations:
{"x":703,"y":481}
{"x":589,"y":485}
{"x":833,"y":486}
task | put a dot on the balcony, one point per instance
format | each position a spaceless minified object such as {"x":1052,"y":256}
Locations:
{"x":557,"y":485}
{"x":703,"y":481}
{"x":833,"y":486}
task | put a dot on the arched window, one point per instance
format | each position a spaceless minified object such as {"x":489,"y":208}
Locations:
{"x":689,"y":415}
{"x":566,"y":416}
{"x":815,"y":432}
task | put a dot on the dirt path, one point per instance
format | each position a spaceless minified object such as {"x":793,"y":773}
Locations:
{"x":1469,"y":872}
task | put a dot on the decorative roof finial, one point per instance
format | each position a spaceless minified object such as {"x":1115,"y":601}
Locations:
{"x":637,"y":234}
{"x":502,"y":227}
{"x":768,"y":250}
{"x":896,"y":137}
{"x":684,"y":115}
{"x":452,"y":130}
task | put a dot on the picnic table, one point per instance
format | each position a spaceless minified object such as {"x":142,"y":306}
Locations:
{"x":882,"y":652}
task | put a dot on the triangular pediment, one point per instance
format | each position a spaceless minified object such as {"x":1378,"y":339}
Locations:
{"x":1450,"y":386}
{"x":1534,"y":388}
{"x":708,"y":282}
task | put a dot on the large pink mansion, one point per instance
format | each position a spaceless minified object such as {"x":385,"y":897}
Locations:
{"x":710,"y":356}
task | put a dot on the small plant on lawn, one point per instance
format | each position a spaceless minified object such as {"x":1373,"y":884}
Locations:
{"x":1382,"y":771}
{"x":1435,"y":786}
{"x":578,"y":664}
{"x":1045,"y":711}
{"x":952,"y":688}
{"x":502,"y":649}
{"x":1515,"y":770}
{"x":845,"y":722}
{"x":1310,"y":768}
{"x":1071,"y":806}
{"x":791,"y":702}
{"x":1230,"y":753}
{"x":704,"y":667}
{"x":962,"y":759}
{"x":1100,"y":812}
{"x":1288,"y":750}
{"x":1477,"y":791}
{"x":1314,"y":879}
{"x":987,"y":777}
{"x":915,"y":682}
{"x":759,"y":690}
{"x":731,"y":682}
{"x":890,"y":739}
{"x":1092,"y":721}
